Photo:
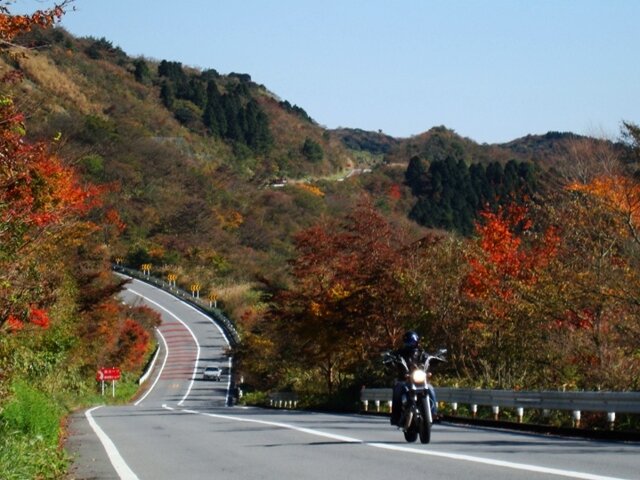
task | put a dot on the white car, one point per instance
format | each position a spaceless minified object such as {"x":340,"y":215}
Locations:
{"x":211,"y":372}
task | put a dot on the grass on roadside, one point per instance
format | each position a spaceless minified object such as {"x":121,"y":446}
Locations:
{"x":30,"y":428}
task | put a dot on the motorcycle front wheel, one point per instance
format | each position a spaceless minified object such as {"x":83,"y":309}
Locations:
{"x":410,"y":436}
{"x":424,"y":426}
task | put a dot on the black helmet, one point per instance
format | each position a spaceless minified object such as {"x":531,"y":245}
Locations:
{"x":411,"y":339}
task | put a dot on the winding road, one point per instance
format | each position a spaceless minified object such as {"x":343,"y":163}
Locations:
{"x":180,"y":428}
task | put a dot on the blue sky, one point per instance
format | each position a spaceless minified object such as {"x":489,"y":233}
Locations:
{"x":491,"y":70}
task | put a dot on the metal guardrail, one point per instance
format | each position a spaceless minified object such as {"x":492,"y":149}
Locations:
{"x":576,"y":402}
{"x":215,"y":313}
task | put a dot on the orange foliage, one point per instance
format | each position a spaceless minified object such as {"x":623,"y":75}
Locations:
{"x":230,"y":220}
{"x":504,"y":257}
{"x":112,"y":217}
{"x":395,"y":192}
{"x":13,"y":25}
{"x":38,"y":192}
{"x":312,"y":189}
{"x":621,"y":193}
{"x":132,"y":345}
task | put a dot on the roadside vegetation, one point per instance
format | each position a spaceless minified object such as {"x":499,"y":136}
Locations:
{"x":522,"y":259}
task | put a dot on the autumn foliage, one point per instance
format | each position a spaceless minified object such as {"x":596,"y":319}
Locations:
{"x":56,"y":286}
{"x":544,"y":295}
{"x":13,"y":25}
{"x":505,"y":257}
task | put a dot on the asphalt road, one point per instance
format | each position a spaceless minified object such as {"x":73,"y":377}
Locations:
{"x":180,"y":428}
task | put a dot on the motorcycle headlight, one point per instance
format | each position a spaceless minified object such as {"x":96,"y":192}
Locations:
{"x":419,"y":376}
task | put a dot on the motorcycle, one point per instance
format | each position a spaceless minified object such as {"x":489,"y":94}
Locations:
{"x":416,"y":416}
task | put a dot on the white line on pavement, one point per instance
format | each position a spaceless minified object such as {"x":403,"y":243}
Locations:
{"x":453,"y":456}
{"x":164,"y":362}
{"x":122,"y":469}
{"x":195,"y":366}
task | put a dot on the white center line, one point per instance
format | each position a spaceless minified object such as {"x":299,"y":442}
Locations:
{"x":195,"y":366}
{"x":384,"y":446}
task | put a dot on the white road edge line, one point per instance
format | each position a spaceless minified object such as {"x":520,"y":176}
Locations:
{"x":195,"y":366}
{"x":230,"y":362}
{"x":173,"y":297}
{"x":121,"y":467}
{"x":453,"y":456}
{"x":164,"y":362}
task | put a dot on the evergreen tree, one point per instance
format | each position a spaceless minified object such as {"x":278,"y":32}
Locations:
{"x":198,"y":92}
{"x":167,"y":94}
{"x":312,"y":150}
{"x":232,"y":107}
{"x":141,"y":73}
{"x":452,"y":194}
{"x":416,"y":175}
{"x":214,"y":116}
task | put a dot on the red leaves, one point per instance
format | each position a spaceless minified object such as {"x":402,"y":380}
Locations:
{"x":112,"y":217}
{"x":395,"y":192}
{"x":36,"y":316}
{"x":38,"y":190}
{"x":13,"y":25}
{"x":39,"y":317}
{"x":14,"y":323}
{"x":132,"y":345}
{"x":505,"y":256}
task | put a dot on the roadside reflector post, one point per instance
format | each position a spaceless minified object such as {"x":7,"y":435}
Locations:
{"x":576,"y":418}
{"x":611,"y":418}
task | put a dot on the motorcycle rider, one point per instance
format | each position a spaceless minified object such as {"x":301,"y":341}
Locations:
{"x":411,"y":352}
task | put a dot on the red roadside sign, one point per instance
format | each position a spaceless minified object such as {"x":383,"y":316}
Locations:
{"x":108,"y":374}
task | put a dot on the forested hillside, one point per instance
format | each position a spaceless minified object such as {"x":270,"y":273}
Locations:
{"x":323,"y":246}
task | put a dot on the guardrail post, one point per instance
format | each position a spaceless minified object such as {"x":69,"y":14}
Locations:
{"x":365,"y":405}
{"x":474,"y":410}
{"x":576,"y":418}
{"x":496,"y":412}
{"x":611,"y":418}
{"x":389,"y":405}
{"x":454,"y":407}
{"x":520,"y":412}
{"x":377,"y":405}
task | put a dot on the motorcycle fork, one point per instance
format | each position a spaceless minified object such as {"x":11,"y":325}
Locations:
{"x":410,"y":409}
{"x":427,"y":405}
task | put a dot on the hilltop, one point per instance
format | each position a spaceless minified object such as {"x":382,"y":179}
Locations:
{"x":213,"y":174}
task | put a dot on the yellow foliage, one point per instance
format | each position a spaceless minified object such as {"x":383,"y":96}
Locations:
{"x":157,"y":251}
{"x":312,"y":189}
{"x":338,"y":292}
{"x":315,"y":308}
{"x":619,"y":192}
{"x":230,"y":219}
